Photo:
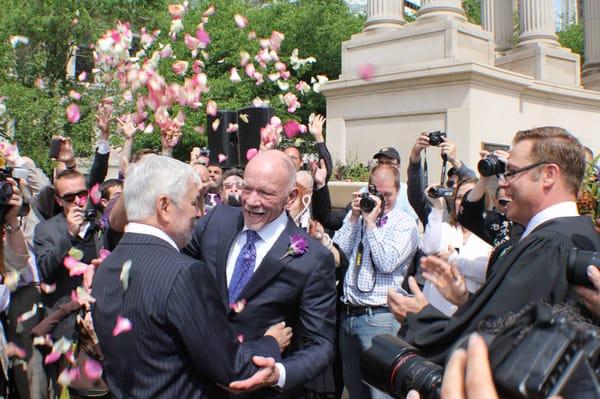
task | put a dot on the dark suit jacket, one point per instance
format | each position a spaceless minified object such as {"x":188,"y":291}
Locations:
{"x":52,"y":243}
{"x":299,"y":290}
{"x":181,"y":343}
{"x":533,"y":270}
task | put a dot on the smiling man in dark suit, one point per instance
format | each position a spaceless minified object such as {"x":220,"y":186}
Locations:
{"x":180,"y":344}
{"x":265,"y":276}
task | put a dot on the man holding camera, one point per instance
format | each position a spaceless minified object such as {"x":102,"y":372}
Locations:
{"x":379,"y":241}
{"x":542,"y":177}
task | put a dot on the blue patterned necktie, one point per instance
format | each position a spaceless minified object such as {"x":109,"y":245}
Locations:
{"x":244,"y":266}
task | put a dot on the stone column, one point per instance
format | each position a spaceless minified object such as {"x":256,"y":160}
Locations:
{"x":384,"y":14}
{"x":537,"y":23}
{"x":496,"y":17}
{"x":441,"y":8}
{"x":591,"y":41}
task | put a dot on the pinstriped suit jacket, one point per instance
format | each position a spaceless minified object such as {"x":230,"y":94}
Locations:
{"x":180,"y":344}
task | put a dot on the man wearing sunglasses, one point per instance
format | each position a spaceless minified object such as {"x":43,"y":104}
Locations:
{"x":543,"y":174}
{"x":55,"y":237}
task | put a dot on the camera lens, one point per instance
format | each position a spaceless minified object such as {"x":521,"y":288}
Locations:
{"x":6,"y":192}
{"x":413,"y":371}
{"x":366,"y":204}
{"x":490,"y":166}
{"x":577,"y":265}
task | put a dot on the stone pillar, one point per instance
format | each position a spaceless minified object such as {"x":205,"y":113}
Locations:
{"x":536,"y":18}
{"x":496,"y":17}
{"x":441,"y":8}
{"x":384,"y":14}
{"x":591,"y":26}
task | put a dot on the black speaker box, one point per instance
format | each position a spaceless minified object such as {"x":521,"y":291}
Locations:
{"x":220,"y":141}
{"x":250,"y":120}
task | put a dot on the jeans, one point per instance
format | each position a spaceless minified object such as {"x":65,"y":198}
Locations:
{"x":356,"y":334}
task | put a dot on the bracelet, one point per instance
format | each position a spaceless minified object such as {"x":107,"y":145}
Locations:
{"x":10,"y":228}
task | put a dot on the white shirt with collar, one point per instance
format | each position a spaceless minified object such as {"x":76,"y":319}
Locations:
{"x":140,"y":228}
{"x":268,"y":236}
{"x":563,"y":209}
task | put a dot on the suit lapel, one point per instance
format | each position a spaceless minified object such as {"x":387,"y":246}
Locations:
{"x":272,"y":263}
{"x":224,"y":245}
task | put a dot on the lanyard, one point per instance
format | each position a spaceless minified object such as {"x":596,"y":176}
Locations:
{"x":358,"y":263}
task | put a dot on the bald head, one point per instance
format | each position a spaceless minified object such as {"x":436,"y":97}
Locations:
{"x":275,"y":164}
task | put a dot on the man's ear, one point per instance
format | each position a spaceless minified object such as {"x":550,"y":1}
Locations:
{"x":163,"y":208}
{"x":60,"y":202}
{"x":551,"y":175}
{"x":293,"y":195}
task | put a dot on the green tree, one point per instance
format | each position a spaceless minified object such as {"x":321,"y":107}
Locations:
{"x":572,"y":37}
{"x":473,"y":10}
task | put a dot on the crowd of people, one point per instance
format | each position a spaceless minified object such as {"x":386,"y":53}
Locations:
{"x":183,"y":279}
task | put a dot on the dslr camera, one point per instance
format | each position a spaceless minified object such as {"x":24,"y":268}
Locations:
{"x":577,"y":265}
{"x":540,"y":353}
{"x":436,"y":138}
{"x":366,"y":203}
{"x":6,"y":190}
{"x":491,"y":165}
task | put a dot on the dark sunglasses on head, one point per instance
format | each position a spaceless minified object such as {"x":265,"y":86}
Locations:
{"x":70,"y":197}
{"x":503,"y":202}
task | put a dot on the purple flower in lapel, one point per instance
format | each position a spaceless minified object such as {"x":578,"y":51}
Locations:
{"x":382,"y":221}
{"x":298,"y":246}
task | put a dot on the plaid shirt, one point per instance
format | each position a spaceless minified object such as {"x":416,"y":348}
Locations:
{"x":388,"y":250}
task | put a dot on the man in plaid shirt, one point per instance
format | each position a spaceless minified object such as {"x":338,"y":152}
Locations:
{"x":380,"y":245}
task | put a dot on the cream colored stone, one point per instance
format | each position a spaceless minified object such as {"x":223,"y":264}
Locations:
{"x":497,"y":17}
{"x":383,"y":14}
{"x":536,"y":19}
{"x":591,"y":24}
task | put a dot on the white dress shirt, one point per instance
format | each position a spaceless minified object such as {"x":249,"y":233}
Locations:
{"x":563,"y":209}
{"x":140,"y":228}
{"x":268,"y":235}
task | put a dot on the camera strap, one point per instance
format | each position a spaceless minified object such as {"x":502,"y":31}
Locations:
{"x":358,"y":262}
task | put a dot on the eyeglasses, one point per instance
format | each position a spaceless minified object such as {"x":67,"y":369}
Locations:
{"x":503,"y":202}
{"x":392,"y":162}
{"x":70,"y":197}
{"x":230,"y":185}
{"x":504,"y":177}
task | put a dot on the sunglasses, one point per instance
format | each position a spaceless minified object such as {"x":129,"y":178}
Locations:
{"x":503,"y":202}
{"x":70,"y":197}
{"x":229,"y":186}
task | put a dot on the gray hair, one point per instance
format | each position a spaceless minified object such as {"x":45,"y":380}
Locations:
{"x":151,"y":177}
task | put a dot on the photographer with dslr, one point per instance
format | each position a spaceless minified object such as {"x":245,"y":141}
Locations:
{"x":542,"y":178}
{"x":379,"y":241}
{"x":417,"y":172}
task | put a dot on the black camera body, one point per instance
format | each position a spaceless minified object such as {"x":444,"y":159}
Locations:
{"x":436,"y":138}
{"x":539,"y":355}
{"x":577,"y":265}
{"x":6,"y":190}
{"x":440,"y":192}
{"x":234,"y":200}
{"x":366,"y":203}
{"x":491,"y":165}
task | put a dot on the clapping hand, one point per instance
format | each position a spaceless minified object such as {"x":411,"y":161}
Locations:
{"x":319,"y":173}
{"x":315,"y":127}
{"x":401,"y":305}
{"x":446,"y":278}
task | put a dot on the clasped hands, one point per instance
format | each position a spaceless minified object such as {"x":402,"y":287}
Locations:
{"x":268,"y":373}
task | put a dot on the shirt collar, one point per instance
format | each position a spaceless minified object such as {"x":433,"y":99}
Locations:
{"x":271,"y":232}
{"x":567,"y":208}
{"x":141,"y":228}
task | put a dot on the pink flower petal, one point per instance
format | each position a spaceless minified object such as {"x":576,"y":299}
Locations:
{"x":251,"y":153}
{"x":366,"y":71}
{"x":211,"y":108}
{"x":95,"y":194}
{"x":82,"y":76}
{"x":92,"y":369}
{"x":70,"y":262}
{"x":180,"y":67}
{"x":240,"y":21}
{"x":238,"y":306}
{"x":47,"y":288}
{"x":235,"y":76}
{"x":104,"y":253}
{"x":203,"y":37}
{"x":51,"y":357}
{"x":73,"y":114}
{"x":123,"y":325}
{"x":291,"y":128}
{"x":13,"y":350}
{"x":176,"y":10}
{"x":240,"y":338}
{"x":222,"y":158}
{"x":74,"y":95}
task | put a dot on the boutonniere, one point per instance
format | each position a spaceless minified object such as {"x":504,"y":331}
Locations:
{"x":382,"y":221}
{"x":298,"y":246}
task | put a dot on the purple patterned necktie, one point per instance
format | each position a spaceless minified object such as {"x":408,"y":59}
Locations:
{"x":244,"y":266}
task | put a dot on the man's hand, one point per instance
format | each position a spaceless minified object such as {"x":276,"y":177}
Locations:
{"x":194,"y":155}
{"x":315,"y":127}
{"x":103,"y":118}
{"x":591,"y":297}
{"x":445,"y":255}
{"x":371,"y":217}
{"x":266,"y":376}
{"x":14,"y":204}
{"x":468,"y":374}
{"x":75,"y":218}
{"x":65,"y":153}
{"x":127,"y":126}
{"x":319,"y":172}
{"x":401,"y":305}
{"x":355,"y":206}
{"x":448,"y":148}
{"x":421,"y":143}
{"x":282,"y":334}
{"x":446,"y":278}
